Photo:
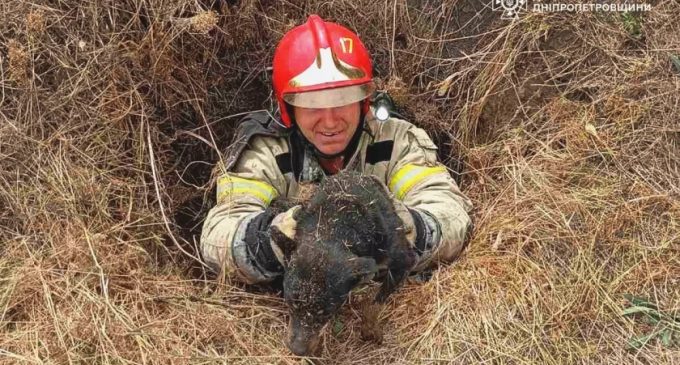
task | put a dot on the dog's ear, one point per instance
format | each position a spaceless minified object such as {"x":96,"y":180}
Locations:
{"x":286,"y":244}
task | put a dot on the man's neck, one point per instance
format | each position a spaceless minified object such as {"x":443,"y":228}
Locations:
{"x":331,"y":166}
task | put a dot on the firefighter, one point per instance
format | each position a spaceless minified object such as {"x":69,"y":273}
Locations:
{"x":322,"y":80}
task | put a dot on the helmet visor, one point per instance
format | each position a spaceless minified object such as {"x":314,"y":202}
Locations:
{"x":330,"y":98}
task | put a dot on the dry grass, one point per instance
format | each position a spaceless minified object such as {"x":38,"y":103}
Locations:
{"x":112,"y":113}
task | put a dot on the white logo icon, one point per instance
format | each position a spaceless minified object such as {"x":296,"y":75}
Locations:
{"x":510,"y":8}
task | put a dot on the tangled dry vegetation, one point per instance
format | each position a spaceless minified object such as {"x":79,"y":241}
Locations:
{"x":566,"y":126}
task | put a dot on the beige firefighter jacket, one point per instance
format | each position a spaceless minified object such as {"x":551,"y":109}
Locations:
{"x":397,"y":152}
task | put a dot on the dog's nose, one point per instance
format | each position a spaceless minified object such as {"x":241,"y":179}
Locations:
{"x":301,"y":343}
{"x":299,"y":348}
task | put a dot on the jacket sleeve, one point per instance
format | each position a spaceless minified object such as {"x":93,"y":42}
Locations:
{"x":423,"y":184}
{"x":242,"y":193}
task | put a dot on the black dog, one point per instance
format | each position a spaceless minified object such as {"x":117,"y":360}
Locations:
{"x":345,"y":233}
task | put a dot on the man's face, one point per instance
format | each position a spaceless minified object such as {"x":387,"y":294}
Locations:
{"x":329,"y":129}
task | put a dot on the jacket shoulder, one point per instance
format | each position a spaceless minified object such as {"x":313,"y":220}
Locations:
{"x":391,"y":129}
{"x":257,"y":124}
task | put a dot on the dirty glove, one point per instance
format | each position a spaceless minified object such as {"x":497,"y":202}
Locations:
{"x":428,"y":232}
{"x":422,"y":230}
{"x":285,"y":222}
{"x":262,"y":250}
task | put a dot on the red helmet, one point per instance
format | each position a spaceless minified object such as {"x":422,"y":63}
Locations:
{"x":321,"y":64}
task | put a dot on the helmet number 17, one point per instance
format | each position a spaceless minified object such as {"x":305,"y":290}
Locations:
{"x":346,"y":44}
